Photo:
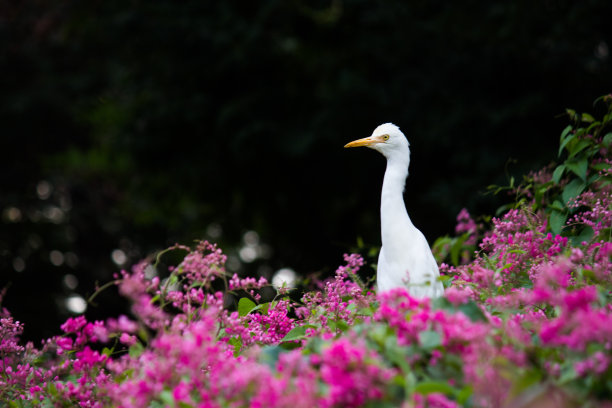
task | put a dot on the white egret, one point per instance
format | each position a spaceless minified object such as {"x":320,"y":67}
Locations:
{"x":405,"y":259}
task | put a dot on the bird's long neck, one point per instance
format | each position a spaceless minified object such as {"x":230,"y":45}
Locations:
{"x":393,"y":215}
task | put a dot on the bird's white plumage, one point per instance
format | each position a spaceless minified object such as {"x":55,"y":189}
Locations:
{"x":405,"y":258}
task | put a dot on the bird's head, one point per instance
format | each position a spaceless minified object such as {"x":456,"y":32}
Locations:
{"x":388,"y":139}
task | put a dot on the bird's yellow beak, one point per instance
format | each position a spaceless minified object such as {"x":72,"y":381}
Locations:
{"x":366,"y":141}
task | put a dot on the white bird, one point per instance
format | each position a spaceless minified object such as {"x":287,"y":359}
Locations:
{"x":405,"y":259}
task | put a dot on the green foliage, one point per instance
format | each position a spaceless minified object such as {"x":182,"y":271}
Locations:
{"x":582,"y":148}
{"x":297,"y":333}
{"x":245,"y":306}
{"x":452,"y":248}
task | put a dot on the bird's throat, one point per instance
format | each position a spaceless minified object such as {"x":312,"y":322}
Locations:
{"x":393,"y":216}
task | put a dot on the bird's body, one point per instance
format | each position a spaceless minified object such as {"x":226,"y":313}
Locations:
{"x":405,"y":259}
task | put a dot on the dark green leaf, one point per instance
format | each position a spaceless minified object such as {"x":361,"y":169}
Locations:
{"x":557,"y":205}
{"x":578,"y":147}
{"x":456,"y":247}
{"x":556,"y":221}
{"x":566,"y":137}
{"x":599,"y":167}
{"x":572,"y":190}
{"x":558,"y":173}
{"x":565,"y":132}
{"x":585,"y":235}
{"x":578,"y":167}
{"x":472,"y":311}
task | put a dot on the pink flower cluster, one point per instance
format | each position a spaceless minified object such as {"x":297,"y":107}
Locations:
{"x":597,"y":212}
{"x":466,"y":224}
{"x":531,"y":309}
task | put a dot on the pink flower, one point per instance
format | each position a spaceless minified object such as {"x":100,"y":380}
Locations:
{"x":459,"y":294}
{"x":63,"y":344}
{"x":74,"y":324}
{"x":128,"y":339}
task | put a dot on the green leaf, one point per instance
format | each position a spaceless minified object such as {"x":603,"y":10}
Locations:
{"x":136,"y":350}
{"x":264,"y":307}
{"x":607,"y":140}
{"x":556,"y":221}
{"x":585,"y":235}
{"x":586,"y":117}
{"x":472,"y":311}
{"x":464,"y":395}
{"x":430,"y":339}
{"x":297,"y":333}
{"x":572,"y":190}
{"x":558,"y":173}
{"x":245,"y":306}
{"x":429,"y":387}
{"x":340,"y":325}
{"x":52,"y":389}
{"x":599,"y":167}
{"x":567,"y":374}
{"x":565,"y":138}
{"x":166,"y":397}
{"x":579,"y":146}
{"x":360,"y":243}
{"x":441,"y":303}
{"x":524,"y":381}
{"x":396,"y":354}
{"x":565,"y":132}
{"x":234,"y":341}
{"x":557,"y":205}
{"x":269,"y":355}
{"x":457,"y":246}
{"x":578,"y":167}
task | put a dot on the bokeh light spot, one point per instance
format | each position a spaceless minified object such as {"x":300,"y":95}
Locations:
{"x":119,"y":257}
{"x":43,"y":189}
{"x":286,"y":277}
{"x":56,"y":257}
{"x":76,"y":304}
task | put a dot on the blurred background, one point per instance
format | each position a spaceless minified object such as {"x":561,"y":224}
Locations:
{"x":128,"y":126}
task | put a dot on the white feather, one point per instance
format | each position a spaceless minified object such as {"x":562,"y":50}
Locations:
{"x":405,"y":258}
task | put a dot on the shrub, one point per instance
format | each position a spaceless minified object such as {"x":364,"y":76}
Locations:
{"x":526,"y":317}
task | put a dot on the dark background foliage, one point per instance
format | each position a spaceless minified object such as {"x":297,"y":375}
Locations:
{"x":128,"y":126}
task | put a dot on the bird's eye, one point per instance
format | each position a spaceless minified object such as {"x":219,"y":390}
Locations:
{"x":385,"y":137}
